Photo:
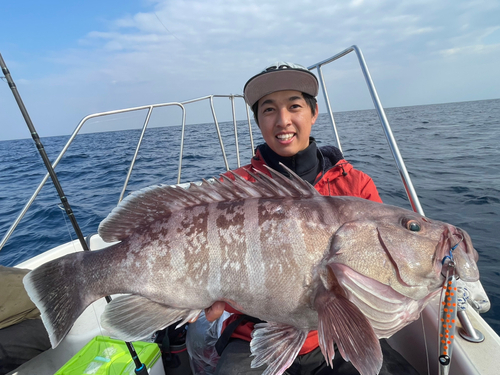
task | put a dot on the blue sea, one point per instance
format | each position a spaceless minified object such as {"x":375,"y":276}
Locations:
{"x":451,"y":152}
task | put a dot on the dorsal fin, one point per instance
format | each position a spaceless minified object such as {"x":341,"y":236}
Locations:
{"x":145,"y":206}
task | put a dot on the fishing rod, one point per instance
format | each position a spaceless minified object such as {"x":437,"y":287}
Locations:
{"x":43,"y":154}
{"x":140,"y":368}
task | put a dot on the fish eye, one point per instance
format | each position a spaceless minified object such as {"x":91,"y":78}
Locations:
{"x":413,"y":225}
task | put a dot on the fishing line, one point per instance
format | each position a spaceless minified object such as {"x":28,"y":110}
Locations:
{"x":171,"y":33}
{"x":449,"y":258}
{"x":425,"y":345}
{"x":66,"y":224}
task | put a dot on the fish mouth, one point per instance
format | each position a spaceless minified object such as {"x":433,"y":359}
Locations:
{"x":456,"y":245}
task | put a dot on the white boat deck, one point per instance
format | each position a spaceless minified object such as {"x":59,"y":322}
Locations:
{"x":468,"y":358}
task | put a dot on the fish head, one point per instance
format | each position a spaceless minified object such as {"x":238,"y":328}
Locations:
{"x":420,"y":247}
{"x":404,"y":250}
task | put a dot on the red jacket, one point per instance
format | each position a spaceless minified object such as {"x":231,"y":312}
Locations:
{"x":341,"y":179}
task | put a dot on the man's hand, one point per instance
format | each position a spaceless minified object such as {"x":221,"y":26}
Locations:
{"x":213,"y":312}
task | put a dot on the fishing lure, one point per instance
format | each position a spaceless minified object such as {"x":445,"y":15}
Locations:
{"x":447,"y":313}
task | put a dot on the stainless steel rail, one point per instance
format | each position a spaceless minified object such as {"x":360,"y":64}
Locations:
{"x":150,"y":108}
{"x":467,"y":332}
{"x":216,"y":122}
{"x":410,"y":191}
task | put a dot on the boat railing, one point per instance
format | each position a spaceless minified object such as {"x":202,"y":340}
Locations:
{"x":149,"y":108}
{"x":468,"y":332}
{"x":405,"y":177}
{"x":412,"y":196}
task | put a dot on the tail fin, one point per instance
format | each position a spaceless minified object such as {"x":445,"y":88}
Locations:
{"x":53,"y":288}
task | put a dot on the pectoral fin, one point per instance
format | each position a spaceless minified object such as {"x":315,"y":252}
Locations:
{"x":341,"y":322}
{"x":131,"y":317}
{"x":276,"y":345}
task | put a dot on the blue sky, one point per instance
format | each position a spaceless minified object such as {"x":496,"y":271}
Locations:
{"x":73,"y":58}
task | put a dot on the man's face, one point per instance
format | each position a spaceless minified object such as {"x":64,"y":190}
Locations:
{"x":285,"y":120}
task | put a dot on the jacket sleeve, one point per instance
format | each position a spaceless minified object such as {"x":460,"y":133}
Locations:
{"x":344,"y":180}
{"x":368,"y":189}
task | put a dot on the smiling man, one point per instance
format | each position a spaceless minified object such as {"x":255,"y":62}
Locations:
{"x":282,"y":98}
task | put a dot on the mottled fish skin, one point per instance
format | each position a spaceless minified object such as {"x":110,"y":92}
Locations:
{"x":222,"y":250}
{"x":273,"y":249}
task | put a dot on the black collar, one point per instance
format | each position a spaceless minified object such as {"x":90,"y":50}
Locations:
{"x":306,"y":163}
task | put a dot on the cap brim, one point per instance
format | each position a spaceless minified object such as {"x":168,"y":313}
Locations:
{"x":279,"y":80}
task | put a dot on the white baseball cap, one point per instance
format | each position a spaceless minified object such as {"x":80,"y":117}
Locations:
{"x":279,"y":77}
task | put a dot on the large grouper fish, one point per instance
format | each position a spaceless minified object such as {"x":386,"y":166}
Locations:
{"x":273,"y":248}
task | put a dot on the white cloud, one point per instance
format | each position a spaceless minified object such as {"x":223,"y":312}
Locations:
{"x":184,"y":49}
{"x":478,"y":49}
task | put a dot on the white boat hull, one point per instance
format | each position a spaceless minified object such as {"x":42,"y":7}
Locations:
{"x":418,"y":348}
